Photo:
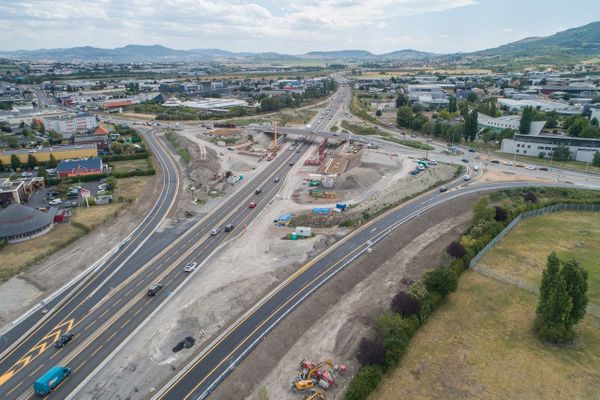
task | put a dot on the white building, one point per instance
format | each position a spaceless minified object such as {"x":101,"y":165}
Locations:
{"x":70,"y":124}
{"x":508,"y":122}
{"x":528,"y":145}
{"x":541,"y":104}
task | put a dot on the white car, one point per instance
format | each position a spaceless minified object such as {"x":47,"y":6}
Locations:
{"x":530,"y":167}
{"x":508,"y":163}
{"x":190,"y":266}
{"x":215,"y":232}
{"x":467,"y":177}
{"x":55,"y":202}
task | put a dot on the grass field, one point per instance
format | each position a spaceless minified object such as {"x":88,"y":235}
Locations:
{"x":16,"y":257}
{"x":294,"y":117}
{"x":129,"y":165}
{"x":571,"y":234}
{"x":481,"y":345}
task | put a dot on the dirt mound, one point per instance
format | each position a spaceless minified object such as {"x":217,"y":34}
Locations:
{"x":357,"y":178}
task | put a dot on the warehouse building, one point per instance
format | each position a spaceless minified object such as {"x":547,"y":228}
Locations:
{"x":507,"y":122}
{"x":42,"y":154}
{"x":528,"y":145}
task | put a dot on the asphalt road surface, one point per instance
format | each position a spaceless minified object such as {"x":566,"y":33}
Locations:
{"x":212,"y":365}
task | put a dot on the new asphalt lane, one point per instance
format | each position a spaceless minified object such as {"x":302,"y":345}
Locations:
{"x":103,"y":316}
{"x":212,"y":365}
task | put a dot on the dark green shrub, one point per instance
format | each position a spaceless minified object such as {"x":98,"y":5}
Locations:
{"x":364,"y":382}
{"x":441,"y":280}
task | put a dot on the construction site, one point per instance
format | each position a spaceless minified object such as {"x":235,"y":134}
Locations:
{"x":314,"y":380}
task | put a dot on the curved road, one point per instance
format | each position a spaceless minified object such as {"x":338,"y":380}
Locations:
{"x":210,"y":367}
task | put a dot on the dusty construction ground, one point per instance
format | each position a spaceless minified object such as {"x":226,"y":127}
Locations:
{"x":348,"y":305}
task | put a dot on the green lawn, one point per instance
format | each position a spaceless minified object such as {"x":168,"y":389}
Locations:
{"x":523,"y":252}
{"x":481,"y":345}
{"x":129,"y":165}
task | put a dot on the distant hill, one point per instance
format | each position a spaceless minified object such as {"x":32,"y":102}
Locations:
{"x":407,"y":54}
{"x":340,"y":54}
{"x":582,"y":41}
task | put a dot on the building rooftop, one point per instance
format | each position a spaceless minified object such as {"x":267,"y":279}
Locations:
{"x":17,"y":219}
{"x":48,"y":149}
{"x":89,"y":163}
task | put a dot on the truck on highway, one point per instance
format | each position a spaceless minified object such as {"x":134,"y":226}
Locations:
{"x":50,"y":380}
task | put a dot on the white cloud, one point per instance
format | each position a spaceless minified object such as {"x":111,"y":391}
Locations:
{"x":289,"y":25}
{"x":507,"y":30}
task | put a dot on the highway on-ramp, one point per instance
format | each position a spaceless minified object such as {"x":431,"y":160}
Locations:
{"x":199,"y":378}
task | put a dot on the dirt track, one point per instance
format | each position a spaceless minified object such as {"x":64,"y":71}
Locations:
{"x":347,"y":306}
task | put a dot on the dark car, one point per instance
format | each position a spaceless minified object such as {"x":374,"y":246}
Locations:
{"x":154,"y":289}
{"x":64,"y":339}
{"x":228,"y":228}
{"x":443,"y":189}
{"x":258,"y":191}
{"x":465,"y":160}
{"x":543,"y":168}
{"x":472,"y":150}
{"x":495,"y":162}
{"x":291,"y":163}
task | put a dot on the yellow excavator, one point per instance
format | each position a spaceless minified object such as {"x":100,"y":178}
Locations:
{"x":307,"y":382}
{"x":316,"y":395}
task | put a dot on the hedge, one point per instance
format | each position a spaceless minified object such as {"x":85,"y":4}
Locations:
{"x":364,"y":382}
{"x":125,"y":157}
{"x":136,"y":172}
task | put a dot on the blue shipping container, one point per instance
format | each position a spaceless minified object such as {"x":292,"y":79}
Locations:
{"x":320,"y":210}
{"x":50,"y":380}
{"x":341,"y":206}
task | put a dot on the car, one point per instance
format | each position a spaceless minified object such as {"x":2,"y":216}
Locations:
{"x":472,"y":150}
{"x":519,"y":165}
{"x":154,"y":289}
{"x":443,"y":189}
{"x":252,"y":204}
{"x":291,"y":163}
{"x":228,"y":228}
{"x":467,"y":177}
{"x":55,"y":202}
{"x":543,"y":168}
{"x":336,"y":134}
{"x":530,"y":167}
{"x":230,"y":148}
{"x":102,"y":186}
{"x":508,"y":163}
{"x":215,"y":232}
{"x":63,"y":339}
{"x":258,"y":191}
{"x":495,"y":162}
{"x":465,"y":160}
{"x":190,"y":266}
{"x":276,"y":180}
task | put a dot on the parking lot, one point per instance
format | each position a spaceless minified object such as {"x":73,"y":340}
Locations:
{"x":41,"y":199}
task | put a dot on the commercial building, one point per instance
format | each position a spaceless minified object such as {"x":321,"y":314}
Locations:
{"x":42,"y":154}
{"x":540,"y":104}
{"x":428,"y":95}
{"x":19,"y":223}
{"x":507,"y":122}
{"x":102,"y":141}
{"x":17,"y":191}
{"x":529,"y":145}
{"x":88,"y":166}
{"x":70,"y":124}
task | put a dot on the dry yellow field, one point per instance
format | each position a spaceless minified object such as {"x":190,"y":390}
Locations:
{"x":480,"y":345}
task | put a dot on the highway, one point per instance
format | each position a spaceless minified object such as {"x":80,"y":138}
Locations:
{"x":218,"y":359}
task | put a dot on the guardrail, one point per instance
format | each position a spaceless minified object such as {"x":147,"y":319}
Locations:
{"x":529,"y":214}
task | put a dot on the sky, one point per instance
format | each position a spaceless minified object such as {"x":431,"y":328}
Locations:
{"x":287,"y":26}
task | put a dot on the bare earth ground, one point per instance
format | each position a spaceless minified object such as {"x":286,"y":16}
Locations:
{"x":501,"y":176}
{"x":358,"y":294}
{"x":481,"y":345}
{"x":46,"y":276}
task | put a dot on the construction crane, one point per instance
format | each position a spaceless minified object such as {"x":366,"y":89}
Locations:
{"x":275,"y":142}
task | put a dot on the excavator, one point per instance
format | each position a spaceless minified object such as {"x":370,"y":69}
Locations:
{"x":316,"y":395}
{"x":311,"y":369}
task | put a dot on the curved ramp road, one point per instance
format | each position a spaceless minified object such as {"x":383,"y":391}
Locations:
{"x":212,"y":365}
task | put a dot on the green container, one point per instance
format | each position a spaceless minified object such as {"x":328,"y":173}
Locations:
{"x":294,"y":236}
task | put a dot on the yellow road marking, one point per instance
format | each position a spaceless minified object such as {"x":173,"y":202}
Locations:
{"x":96,"y":351}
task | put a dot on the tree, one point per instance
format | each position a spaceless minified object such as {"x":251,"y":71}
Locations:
{"x":378,"y":112}
{"x":594,"y":122}
{"x":370,"y":352}
{"x":14,"y":162}
{"x":31,"y":161}
{"x":472,"y":97}
{"x":452,"y":104}
{"x":561,"y":153}
{"x":577,"y":127}
{"x":482,"y":211}
{"x":52,"y":163}
{"x":401,"y":100}
{"x":470,"y":131}
{"x":563,"y":299}
{"x":404,"y":117}
{"x":456,"y":250}
{"x":526,"y":118}
{"x":596,"y":160}
{"x":43,"y":173}
{"x":406,"y":304}
{"x":530,"y":197}
{"x":501,"y":214}
{"x":441,"y":281}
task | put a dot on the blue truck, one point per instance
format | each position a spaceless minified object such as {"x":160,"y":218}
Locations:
{"x":50,"y":380}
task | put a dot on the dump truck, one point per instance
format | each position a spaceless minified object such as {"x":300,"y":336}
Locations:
{"x":50,"y":380}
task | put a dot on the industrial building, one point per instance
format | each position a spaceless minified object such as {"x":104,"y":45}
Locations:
{"x":529,"y":145}
{"x":507,"y":122}
{"x":42,"y":154}
{"x":540,"y":104}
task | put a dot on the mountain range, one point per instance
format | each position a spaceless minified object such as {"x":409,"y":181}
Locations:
{"x":580,"y":42}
